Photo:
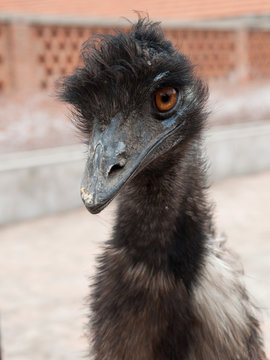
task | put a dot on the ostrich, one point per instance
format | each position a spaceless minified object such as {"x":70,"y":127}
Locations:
{"x":165,"y":289}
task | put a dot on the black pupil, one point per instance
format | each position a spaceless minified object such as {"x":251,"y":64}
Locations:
{"x":165,"y":97}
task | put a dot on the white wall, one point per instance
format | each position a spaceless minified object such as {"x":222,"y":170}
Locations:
{"x":46,"y":181}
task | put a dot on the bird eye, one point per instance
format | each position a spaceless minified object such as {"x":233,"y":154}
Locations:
{"x":166,"y":98}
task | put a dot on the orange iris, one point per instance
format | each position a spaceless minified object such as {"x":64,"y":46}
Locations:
{"x":166,"y":98}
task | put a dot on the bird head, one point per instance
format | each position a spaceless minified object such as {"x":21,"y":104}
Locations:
{"x":135,"y":98}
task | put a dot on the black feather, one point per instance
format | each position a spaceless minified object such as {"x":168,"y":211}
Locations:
{"x":147,"y":295}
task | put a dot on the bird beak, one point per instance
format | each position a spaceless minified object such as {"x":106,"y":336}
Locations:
{"x":102,"y":176}
{"x":111,"y":163}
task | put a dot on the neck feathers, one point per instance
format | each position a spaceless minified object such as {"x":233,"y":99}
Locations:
{"x":163,"y":218}
{"x":163,"y":289}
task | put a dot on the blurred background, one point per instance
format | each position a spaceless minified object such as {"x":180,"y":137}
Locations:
{"x":48,"y":242}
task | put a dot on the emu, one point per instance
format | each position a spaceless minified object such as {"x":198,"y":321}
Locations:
{"x":165,"y":288}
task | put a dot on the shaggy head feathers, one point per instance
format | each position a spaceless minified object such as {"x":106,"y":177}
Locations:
{"x":122,"y":71}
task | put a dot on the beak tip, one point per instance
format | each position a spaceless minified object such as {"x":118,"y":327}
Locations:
{"x":86,"y":197}
{"x":89,"y":202}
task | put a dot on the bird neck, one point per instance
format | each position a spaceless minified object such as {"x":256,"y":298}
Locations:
{"x":163,"y":219}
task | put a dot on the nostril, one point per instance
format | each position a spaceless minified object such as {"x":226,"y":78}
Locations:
{"x":115,"y":168}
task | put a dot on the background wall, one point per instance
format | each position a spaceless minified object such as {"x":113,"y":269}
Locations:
{"x":35,"y":51}
{"x":228,"y":43}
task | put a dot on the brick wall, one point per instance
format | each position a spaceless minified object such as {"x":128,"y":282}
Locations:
{"x":258,"y":53}
{"x":5,"y":58}
{"x":34,"y":55}
{"x":214,"y":52}
{"x":57,"y":50}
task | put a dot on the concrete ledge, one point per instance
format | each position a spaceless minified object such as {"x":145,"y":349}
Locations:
{"x":233,"y":23}
{"x":39,"y":182}
{"x":238,"y":149}
{"x":46,"y":181}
